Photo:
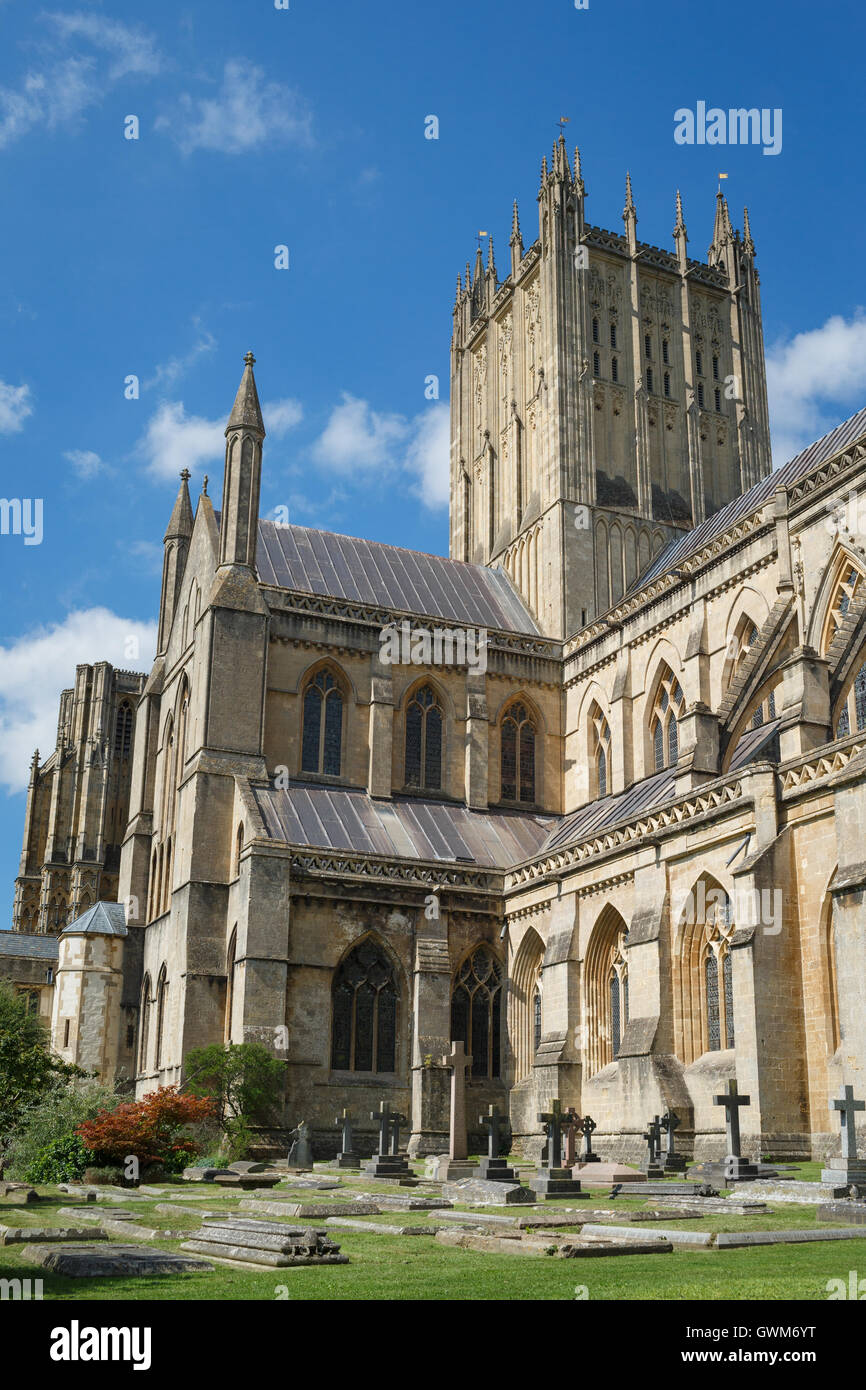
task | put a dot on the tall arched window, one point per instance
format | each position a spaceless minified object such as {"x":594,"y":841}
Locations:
{"x":668,"y":709}
{"x":525,"y":1004}
{"x":322,"y":740}
{"x":239,"y":844}
{"x":852,"y":712}
{"x":599,"y":752}
{"x":536,"y":1019}
{"x":364,"y":1011}
{"x":704,"y":985}
{"x":476,"y":1010}
{"x":123,"y":731}
{"x":144,"y":1026}
{"x":518,"y":755}
{"x":848,"y":586}
{"x":231,"y":955}
{"x":424,"y":740}
{"x":606,"y":998}
{"x":161,"y":993}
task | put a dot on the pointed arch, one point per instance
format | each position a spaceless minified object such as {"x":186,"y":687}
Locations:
{"x":476,"y":1009}
{"x":144,"y":1023}
{"x":599,"y":752}
{"x":518,"y":747}
{"x":666,"y":708}
{"x":365,"y":998}
{"x":525,"y":1003}
{"x":843,"y":585}
{"x":704,"y":1009}
{"x":605,"y":974}
{"x":830,"y":981}
{"x":231,"y":957}
{"x":161,"y":997}
{"x":324,"y":692}
{"x":424,"y":726}
{"x":123,"y":727}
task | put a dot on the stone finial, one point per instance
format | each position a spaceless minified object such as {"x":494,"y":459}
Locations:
{"x":629,"y":200}
{"x":748,"y":243}
{"x":515,"y":225}
{"x":246,"y":411}
{"x":680,"y":225}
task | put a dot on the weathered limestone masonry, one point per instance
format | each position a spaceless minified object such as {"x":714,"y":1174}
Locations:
{"x":620,"y":859}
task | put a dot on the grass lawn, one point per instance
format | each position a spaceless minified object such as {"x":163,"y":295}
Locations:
{"x":418,"y":1268}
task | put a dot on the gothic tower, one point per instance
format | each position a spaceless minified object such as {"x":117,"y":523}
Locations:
{"x":605,"y":396}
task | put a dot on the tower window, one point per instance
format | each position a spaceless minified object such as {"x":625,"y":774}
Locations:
{"x":649,"y":379}
{"x":613,"y":335}
{"x":718,"y":398}
{"x":715,"y":367}
{"x":667,"y":383}
{"x":665,"y":351}
{"x":614,"y":369}
{"x":123,"y":731}
{"x":595,"y":330}
{"x":701,"y":394}
{"x":596,"y":364}
{"x":699,"y":362}
{"x":647,"y":346}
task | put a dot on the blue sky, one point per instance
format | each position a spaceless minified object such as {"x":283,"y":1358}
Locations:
{"x":305,"y":127}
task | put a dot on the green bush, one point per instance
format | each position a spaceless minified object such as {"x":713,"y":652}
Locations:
{"x":53,"y":1121}
{"x":63,"y":1160}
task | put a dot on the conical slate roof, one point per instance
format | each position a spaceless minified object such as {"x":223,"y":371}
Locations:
{"x":181,"y":520}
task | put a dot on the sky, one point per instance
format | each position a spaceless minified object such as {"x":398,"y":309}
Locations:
{"x":262,"y":127}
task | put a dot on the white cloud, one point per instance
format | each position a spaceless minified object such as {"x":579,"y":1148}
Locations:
{"x":174,"y":440}
{"x":168,"y":373}
{"x":814,"y":380}
{"x":361,"y":442}
{"x":85,"y":463}
{"x":15,"y":407}
{"x":71,"y":80}
{"x":37,"y":666}
{"x":281,"y":416}
{"x":429,"y":455}
{"x":247,"y":111}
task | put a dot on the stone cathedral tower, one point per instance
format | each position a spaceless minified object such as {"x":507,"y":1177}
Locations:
{"x":605,"y":396}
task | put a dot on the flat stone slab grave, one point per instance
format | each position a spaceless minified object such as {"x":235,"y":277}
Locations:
{"x":603,"y":1231}
{"x":110,"y":1261}
{"x":575,"y":1248}
{"x":97,"y":1217}
{"x":29,"y":1235}
{"x":314,"y":1211}
{"x":477,"y":1192}
{"x":732,"y":1206}
{"x":348,"y":1223}
{"x":667,"y":1189}
{"x":729,"y":1240}
{"x":806,"y":1193}
{"x":852,"y":1212}
{"x":264,"y":1243}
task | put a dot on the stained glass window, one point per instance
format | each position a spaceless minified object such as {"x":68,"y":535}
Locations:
{"x":424,"y":740}
{"x":602,"y":772}
{"x":673,"y":742}
{"x":728,"y":983}
{"x":659,"y":745}
{"x":711,"y":968}
{"x":860,"y":697}
{"x":518,"y":755}
{"x":476,"y":1006}
{"x":364,"y":1025}
{"x":123,"y":732}
{"x":321,"y":742}
{"x":615,"y":1021}
{"x":536,"y":1019}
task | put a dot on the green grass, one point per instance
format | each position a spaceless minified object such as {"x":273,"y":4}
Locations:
{"x":410,"y":1268}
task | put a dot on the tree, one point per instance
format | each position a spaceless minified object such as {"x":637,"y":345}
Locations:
{"x":246,"y":1082}
{"x":27,"y":1068}
{"x":150,"y":1129}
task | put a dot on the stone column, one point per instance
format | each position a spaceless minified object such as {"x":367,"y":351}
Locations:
{"x":381,"y":736}
{"x":431,"y":986}
{"x":805,"y":703}
{"x":477,"y":741}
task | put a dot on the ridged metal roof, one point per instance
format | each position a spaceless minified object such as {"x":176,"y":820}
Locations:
{"x":833,"y":443}
{"x":19,"y":943}
{"x":598,"y":815}
{"x":103,"y":919}
{"x":342,"y":818}
{"x":387,"y":576}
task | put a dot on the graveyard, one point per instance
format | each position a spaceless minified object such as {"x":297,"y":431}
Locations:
{"x":491,"y":1226}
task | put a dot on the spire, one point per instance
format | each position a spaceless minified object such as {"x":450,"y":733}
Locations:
{"x":720,"y":226}
{"x":491,"y":261}
{"x":629,"y":200}
{"x":680,"y":235}
{"x":180,"y":522}
{"x":458,"y":291}
{"x":515,"y":226}
{"x":748,"y":244}
{"x":629,"y":217}
{"x":479,"y":266}
{"x":246,"y":411}
{"x":543,"y":170}
{"x":578,"y":176}
{"x":680,"y":225}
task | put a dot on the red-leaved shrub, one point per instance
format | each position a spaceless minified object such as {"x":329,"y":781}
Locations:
{"x":150,"y":1128}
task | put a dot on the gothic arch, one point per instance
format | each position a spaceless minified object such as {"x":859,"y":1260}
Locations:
{"x":605,"y":989}
{"x":324,"y":689}
{"x":663,"y":711}
{"x":144,"y":1024}
{"x":830,"y":981}
{"x":599,"y":751}
{"x":525,"y":990}
{"x":477,"y":993}
{"x":161,"y":997}
{"x":425,"y":719}
{"x":704,"y":1015}
{"x":366,"y":993}
{"x":822,"y":625}
{"x":231,"y":957}
{"x":520,"y":744}
{"x":602,"y":577}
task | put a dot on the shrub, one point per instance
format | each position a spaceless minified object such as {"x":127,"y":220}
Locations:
{"x":63,"y":1160}
{"x":27,"y":1068}
{"x":246,"y":1082}
{"x":152,"y":1129}
{"x":52,"y":1120}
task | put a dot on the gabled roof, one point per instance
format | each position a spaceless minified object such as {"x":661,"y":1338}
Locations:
{"x":405,"y":828}
{"x":103,"y":919}
{"x":832,"y":443}
{"x":387,"y":576}
{"x":19,"y":943}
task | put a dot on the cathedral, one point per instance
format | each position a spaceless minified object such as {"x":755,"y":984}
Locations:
{"x":599,"y":815}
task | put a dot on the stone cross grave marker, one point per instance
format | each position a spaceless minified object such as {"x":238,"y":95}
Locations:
{"x":493,"y":1123}
{"x":588,"y":1128}
{"x":736,"y":1167}
{"x":553,"y":1180}
{"x":847,"y":1107}
{"x":552,"y":1120}
{"x":383,"y":1116}
{"x":397,"y":1121}
{"x":347,"y":1157}
{"x":458,"y":1062}
{"x":674,"y":1163}
{"x":493,"y":1168}
{"x":572,"y":1124}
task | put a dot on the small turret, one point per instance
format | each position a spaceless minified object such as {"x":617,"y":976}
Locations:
{"x":175,"y":551}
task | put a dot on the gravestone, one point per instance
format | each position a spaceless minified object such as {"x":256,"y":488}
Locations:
{"x":737,"y":1169}
{"x":674,"y":1162}
{"x":652,"y":1136}
{"x":458,"y":1062}
{"x":480,"y":1192}
{"x":301,"y":1151}
{"x":571,"y":1123}
{"x":109,"y":1261}
{"x":384,"y":1163}
{"x":27,"y":1235}
{"x":493,"y":1168}
{"x":554,"y":1181}
{"x":588,"y":1127}
{"x":264,"y":1243}
{"x":347,"y":1157}
{"x":847,"y":1169}
{"x":397,"y":1122}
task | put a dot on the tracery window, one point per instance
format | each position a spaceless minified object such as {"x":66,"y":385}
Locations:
{"x":618,"y":992}
{"x":600,"y":751}
{"x":161,"y":993}
{"x":852,"y":716}
{"x":364,"y":1011}
{"x":718,"y":979}
{"x":123,"y":731}
{"x":144,"y":1026}
{"x":322,"y":740}
{"x":424,"y":740}
{"x":476,"y":1010}
{"x":518,"y":754}
{"x":667,"y":383}
{"x":668,"y":709}
{"x":848,"y":587}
